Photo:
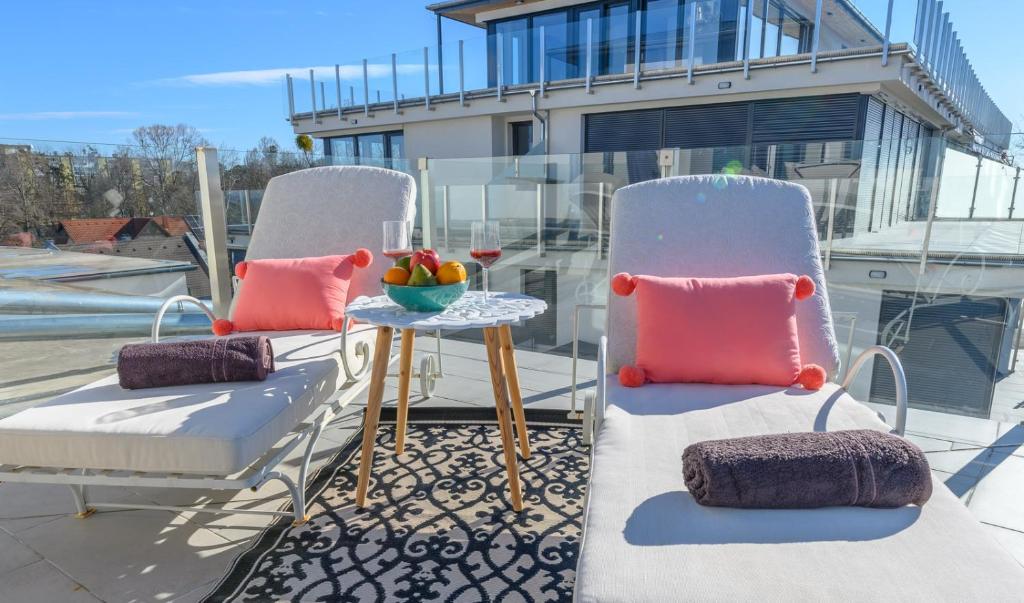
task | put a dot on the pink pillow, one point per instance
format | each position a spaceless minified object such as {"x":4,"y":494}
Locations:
{"x":739,"y":330}
{"x":293,"y":294}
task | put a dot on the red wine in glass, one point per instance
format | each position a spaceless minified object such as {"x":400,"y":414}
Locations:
{"x":395,"y":254}
{"x":486,"y":257}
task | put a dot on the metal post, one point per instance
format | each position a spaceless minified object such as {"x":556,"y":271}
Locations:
{"x":446,"y":210}
{"x":1013,"y":197}
{"x":543,"y":60}
{"x":832,"y":194}
{"x":215,"y":230}
{"x":248,"y":210}
{"x":888,"y":31}
{"x":746,"y":39}
{"x":933,"y":200}
{"x":425,"y":219}
{"x":590,"y":46}
{"x":394,"y":81}
{"x":666,"y":157}
{"x":974,"y":193}
{"x":540,"y":218}
{"x":462,"y":77}
{"x":817,"y":36}
{"x":693,"y":41}
{"x":366,"y":91}
{"x":352,"y":96}
{"x":636,"y":49}
{"x":926,"y":30}
{"x":312,"y":92}
{"x":291,"y":97}
{"x":323,"y":98}
{"x":483,"y":202}
{"x":764,"y":26}
{"x":337,"y":87}
{"x":440,"y":59}
{"x":600,"y":220}
{"x":918,"y":23}
{"x":426,"y":76}
{"x":933,"y":37}
{"x":501,"y":64}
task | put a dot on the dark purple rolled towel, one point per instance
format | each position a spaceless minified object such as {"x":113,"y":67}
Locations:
{"x":244,"y":358}
{"x":863,"y":468}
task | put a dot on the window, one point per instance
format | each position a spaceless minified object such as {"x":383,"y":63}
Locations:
{"x":381,"y":149}
{"x":520,"y":137}
{"x":556,"y":46}
{"x":663,"y":22}
{"x":514,"y":51}
{"x":616,"y":39}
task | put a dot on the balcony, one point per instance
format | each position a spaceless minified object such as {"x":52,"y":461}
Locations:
{"x":921,"y":239}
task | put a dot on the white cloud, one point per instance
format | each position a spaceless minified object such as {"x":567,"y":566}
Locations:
{"x":47,"y":115}
{"x":269,"y":77}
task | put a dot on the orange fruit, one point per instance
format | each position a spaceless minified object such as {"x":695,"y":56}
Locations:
{"x":450,"y":273}
{"x":396,"y":275}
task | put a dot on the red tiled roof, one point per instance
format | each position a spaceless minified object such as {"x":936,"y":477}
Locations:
{"x":90,"y":230}
{"x":174,"y":226}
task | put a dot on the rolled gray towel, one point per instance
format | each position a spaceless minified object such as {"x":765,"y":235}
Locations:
{"x":863,"y":468}
{"x":245,"y":358}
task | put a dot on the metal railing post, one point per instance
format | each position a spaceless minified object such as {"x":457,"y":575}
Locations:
{"x":933,"y":201}
{"x":600,"y":220}
{"x":248,"y":210}
{"x":666,"y":157}
{"x":215,"y":230}
{"x":974,"y":192}
{"x":366,"y":91}
{"x":540,"y":218}
{"x":483,"y":202}
{"x":888,"y":31}
{"x":501,"y":65}
{"x":446,"y":212}
{"x":312,"y":93}
{"x":832,"y":194}
{"x":817,"y":36}
{"x":424,"y":213}
{"x":590,"y":46}
{"x":440,"y":58}
{"x":394,"y":81}
{"x":636,"y":49}
{"x":323,"y":98}
{"x":462,"y":76}
{"x":748,"y":18}
{"x":352,"y":96}
{"x":426,"y":76}
{"x":693,"y":42}
{"x":1013,"y":197}
{"x":291,"y":97}
{"x":337,"y":87}
{"x":542,"y":54}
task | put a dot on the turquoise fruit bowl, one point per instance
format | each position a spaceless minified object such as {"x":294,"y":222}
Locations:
{"x":425,"y":299}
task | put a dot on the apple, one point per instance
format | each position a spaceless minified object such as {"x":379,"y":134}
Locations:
{"x":428,"y":258}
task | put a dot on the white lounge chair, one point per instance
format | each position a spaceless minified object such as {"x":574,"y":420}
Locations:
{"x":645,"y":539}
{"x":227,"y":436}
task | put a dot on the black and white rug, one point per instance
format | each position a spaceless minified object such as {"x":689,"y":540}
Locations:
{"x":438,"y":526}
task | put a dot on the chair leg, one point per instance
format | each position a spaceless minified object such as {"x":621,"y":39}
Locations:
{"x":508,"y":359}
{"x":381,"y":355}
{"x":404,"y":376}
{"x":82,"y":510}
{"x":508,"y":443}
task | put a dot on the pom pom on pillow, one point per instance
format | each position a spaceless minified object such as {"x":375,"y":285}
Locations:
{"x":240,"y":269}
{"x":632,"y":376}
{"x":623,"y":284}
{"x":812,"y":377}
{"x":362,"y":257}
{"x":804,"y":288}
{"x":223,"y":327}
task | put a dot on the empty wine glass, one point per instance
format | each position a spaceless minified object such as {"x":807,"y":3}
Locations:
{"x":397,"y":239}
{"x":485,"y":246}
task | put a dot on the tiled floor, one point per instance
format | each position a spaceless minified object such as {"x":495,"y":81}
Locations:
{"x":47,"y":555}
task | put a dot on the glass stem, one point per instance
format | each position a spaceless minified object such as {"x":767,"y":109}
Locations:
{"x":485,"y":284}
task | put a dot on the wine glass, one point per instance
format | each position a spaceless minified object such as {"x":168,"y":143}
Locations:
{"x":485,"y":246}
{"x":397,"y":239}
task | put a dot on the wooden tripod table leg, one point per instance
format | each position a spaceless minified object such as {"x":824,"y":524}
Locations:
{"x":404,"y":375}
{"x":508,"y":443}
{"x":508,"y":359}
{"x":381,"y":356}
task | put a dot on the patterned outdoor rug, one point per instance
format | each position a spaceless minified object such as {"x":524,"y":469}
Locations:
{"x":438,"y":525}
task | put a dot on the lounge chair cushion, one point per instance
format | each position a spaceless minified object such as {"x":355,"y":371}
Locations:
{"x":647,"y":540}
{"x":210,"y":429}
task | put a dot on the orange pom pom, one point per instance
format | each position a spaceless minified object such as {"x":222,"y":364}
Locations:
{"x":632,"y":376}
{"x":338,"y":324}
{"x":812,"y":377}
{"x":804,"y":287}
{"x":240,"y":269}
{"x":623,"y":284}
{"x":362,"y":257}
{"x":223,"y":327}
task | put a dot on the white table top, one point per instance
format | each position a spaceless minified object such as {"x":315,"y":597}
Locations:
{"x":469,"y":312}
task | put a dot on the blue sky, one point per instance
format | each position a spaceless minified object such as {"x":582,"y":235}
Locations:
{"x":91,"y":71}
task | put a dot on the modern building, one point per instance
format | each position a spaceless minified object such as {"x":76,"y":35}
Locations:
{"x":560,"y":102}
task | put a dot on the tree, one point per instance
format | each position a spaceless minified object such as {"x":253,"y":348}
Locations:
{"x":167,"y":166}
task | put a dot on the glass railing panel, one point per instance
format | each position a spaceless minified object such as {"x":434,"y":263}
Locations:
{"x":995,"y":191}
{"x":956,"y":189}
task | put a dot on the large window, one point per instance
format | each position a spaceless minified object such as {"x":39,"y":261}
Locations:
{"x":381,"y":149}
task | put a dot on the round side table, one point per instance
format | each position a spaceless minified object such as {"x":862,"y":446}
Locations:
{"x":494,"y":316}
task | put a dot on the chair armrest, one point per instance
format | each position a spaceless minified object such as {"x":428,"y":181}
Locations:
{"x":362,"y":351}
{"x":593,"y":401}
{"x":177,"y":299}
{"x":899,"y":377}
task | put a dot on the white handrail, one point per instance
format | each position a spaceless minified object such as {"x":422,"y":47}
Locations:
{"x":177,"y":299}
{"x":898,"y":376}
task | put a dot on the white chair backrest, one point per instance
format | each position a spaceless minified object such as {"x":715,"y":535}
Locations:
{"x":717,"y":226}
{"x":333,"y":210}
